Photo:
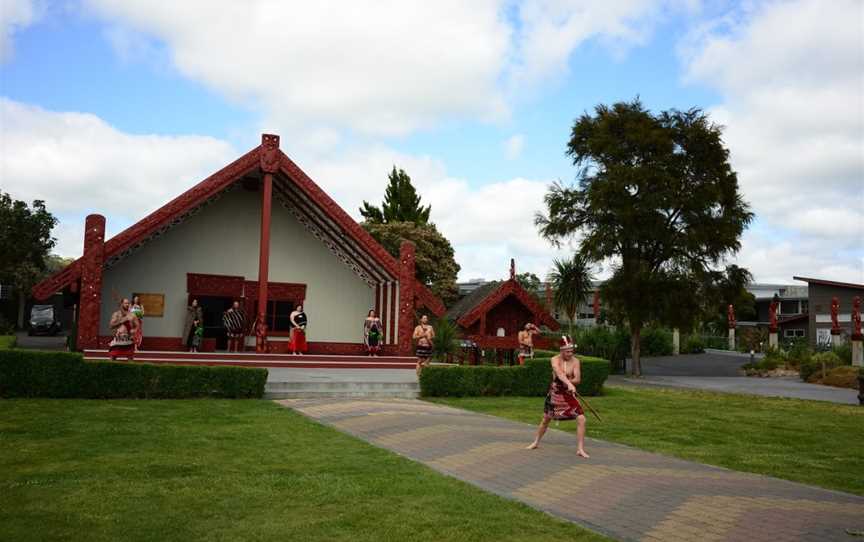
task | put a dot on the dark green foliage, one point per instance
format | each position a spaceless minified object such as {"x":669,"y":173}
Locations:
{"x":571,"y":281}
{"x":401,"y":203}
{"x":435,"y":262}
{"x":6,"y":327}
{"x":656,"y":342}
{"x":603,"y":342}
{"x":66,"y":375}
{"x":844,"y":352}
{"x":531,"y":379}
{"x":656,"y":193}
{"x":7,"y":342}
{"x":446,"y":341}
{"x":818,"y":362}
{"x":693,"y":345}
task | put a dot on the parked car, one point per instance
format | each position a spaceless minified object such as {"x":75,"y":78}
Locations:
{"x":44,"y":319}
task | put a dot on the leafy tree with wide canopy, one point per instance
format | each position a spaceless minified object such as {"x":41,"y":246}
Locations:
{"x":571,"y":282}
{"x":657,"y":198}
{"x":25,"y":243}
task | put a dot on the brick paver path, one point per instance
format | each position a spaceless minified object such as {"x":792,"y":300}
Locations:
{"x":623,"y":492}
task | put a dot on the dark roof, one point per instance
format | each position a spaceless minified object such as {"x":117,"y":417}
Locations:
{"x":831,"y":283}
{"x":470,"y":301}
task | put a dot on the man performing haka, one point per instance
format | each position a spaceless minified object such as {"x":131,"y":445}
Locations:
{"x":561,"y":402}
{"x":526,"y":342}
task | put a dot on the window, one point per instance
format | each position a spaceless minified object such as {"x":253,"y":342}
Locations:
{"x":799,"y":333}
{"x":279,"y":315}
{"x":805,"y":306}
{"x":790,"y":333}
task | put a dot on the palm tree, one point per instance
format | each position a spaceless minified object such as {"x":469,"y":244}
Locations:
{"x":571,"y":280}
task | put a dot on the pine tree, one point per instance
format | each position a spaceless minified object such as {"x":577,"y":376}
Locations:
{"x":401,"y":203}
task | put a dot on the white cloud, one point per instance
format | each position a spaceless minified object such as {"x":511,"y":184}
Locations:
{"x":552,"y":29}
{"x":14,"y":15}
{"x":513,"y":146}
{"x":78,"y":164}
{"x":376,"y":67}
{"x":792,"y":79}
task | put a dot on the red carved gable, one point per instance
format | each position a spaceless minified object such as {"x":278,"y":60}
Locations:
{"x":510,"y":293}
{"x":266,"y":157}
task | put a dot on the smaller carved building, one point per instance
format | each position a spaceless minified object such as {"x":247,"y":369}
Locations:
{"x":491,"y":316}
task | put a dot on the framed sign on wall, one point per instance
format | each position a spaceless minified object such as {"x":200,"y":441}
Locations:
{"x":154,"y":304}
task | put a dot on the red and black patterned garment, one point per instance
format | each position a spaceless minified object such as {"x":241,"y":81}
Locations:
{"x":560,"y":403}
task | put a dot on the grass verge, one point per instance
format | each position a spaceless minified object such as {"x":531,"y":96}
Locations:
{"x":805,"y":441}
{"x":7,"y":342}
{"x":228,"y":470}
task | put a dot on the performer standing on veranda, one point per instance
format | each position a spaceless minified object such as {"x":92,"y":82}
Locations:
{"x":561,"y":402}
{"x":298,"y":330}
{"x":123,"y":324}
{"x":526,"y":342}
{"x":234,"y":321}
{"x":372,"y":333}
{"x":423,"y":335}
{"x":138,"y":310}
{"x":194,"y":321}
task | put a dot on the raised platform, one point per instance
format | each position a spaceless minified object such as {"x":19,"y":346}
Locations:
{"x":251,"y":359}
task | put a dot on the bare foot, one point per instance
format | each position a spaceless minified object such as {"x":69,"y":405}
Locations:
{"x":533,"y":446}
{"x":581,"y":453}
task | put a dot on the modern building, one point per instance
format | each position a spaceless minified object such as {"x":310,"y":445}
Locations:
{"x":820,"y":294}
{"x":258,"y":231}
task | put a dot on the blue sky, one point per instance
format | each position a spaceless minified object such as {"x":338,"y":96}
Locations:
{"x":474,"y":100}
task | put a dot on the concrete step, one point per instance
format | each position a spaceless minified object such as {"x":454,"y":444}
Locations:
{"x":288,"y":390}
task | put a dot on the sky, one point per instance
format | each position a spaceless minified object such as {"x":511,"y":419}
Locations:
{"x":117,"y":106}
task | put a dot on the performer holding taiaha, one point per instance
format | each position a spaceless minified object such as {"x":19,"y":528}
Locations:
{"x":561,"y":400}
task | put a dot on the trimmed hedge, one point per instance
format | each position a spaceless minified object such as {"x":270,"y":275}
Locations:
{"x":66,"y":375}
{"x":531,"y":379}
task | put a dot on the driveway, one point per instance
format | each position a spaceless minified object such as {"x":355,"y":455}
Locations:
{"x":720,"y":372}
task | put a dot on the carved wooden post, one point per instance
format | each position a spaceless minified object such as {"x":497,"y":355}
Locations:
{"x":857,"y":337}
{"x":269,"y":166}
{"x":406,"y":297}
{"x":90,"y":304}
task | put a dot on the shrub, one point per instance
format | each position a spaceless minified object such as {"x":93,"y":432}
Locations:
{"x":66,"y":375}
{"x":844,"y":376}
{"x":446,"y":341}
{"x":813,"y":366}
{"x":844,"y":352}
{"x":532,"y":379}
{"x":716,"y":342}
{"x":693,"y":345}
{"x":603,"y":342}
{"x":7,"y":342}
{"x":7,"y":327}
{"x":656,"y":341}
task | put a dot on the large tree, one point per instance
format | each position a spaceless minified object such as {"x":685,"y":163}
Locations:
{"x":657,"y":198}
{"x":571,"y":282}
{"x":401,"y":202}
{"x":434,"y":262}
{"x":401,"y":217}
{"x":25,"y":242}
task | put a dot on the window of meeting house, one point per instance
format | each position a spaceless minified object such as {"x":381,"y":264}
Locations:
{"x":279,"y":315}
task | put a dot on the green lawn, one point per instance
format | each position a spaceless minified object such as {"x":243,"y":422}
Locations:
{"x":7,"y":342}
{"x":813,"y":442}
{"x":228,"y":470}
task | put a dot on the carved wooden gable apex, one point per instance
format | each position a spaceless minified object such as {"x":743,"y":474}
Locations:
{"x":270,"y":157}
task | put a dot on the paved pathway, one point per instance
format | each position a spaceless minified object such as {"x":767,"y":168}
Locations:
{"x":791,"y":387}
{"x":621,"y":491}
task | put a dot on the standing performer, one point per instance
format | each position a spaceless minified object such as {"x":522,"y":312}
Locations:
{"x":123,"y":324}
{"x":561,"y":402}
{"x":372,"y":333}
{"x":194,"y":321}
{"x":234,"y":321}
{"x":423,"y":334}
{"x":526,"y":342}
{"x":298,"y":331}
{"x":138,"y":310}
